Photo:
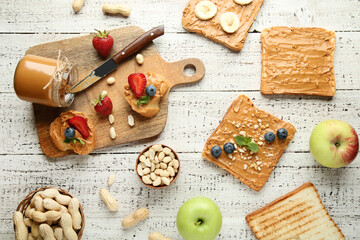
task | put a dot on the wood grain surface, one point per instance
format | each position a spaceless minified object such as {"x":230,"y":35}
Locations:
{"x":193,"y":114}
{"x":80,"y":53}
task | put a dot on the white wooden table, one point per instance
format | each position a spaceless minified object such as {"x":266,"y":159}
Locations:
{"x":194,"y":112}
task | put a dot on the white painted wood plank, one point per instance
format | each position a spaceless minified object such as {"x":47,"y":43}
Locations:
{"x":225,"y":70}
{"x":84,"y":176}
{"x":192,"y":117}
{"x":194,"y":112}
{"x":58,"y":16}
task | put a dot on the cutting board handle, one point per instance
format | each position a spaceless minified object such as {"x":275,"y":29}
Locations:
{"x":180,"y":66}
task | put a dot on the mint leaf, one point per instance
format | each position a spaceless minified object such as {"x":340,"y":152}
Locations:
{"x":143,"y":100}
{"x":253,"y":147}
{"x":74,"y":140}
{"x":246,"y":141}
{"x":241,"y":141}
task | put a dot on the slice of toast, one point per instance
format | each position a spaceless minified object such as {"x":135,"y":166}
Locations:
{"x":151,"y":108}
{"x":58,"y":126}
{"x":299,"y":215}
{"x":212,"y":28}
{"x":298,"y":61}
{"x":243,"y":118}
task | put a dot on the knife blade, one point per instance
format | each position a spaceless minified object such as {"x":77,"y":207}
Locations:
{"x":112,"y":63}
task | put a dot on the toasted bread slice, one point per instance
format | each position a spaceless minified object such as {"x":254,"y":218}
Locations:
{"x":151,"y":108}
{"x":243,"y":118}
{"x":58,"y":126}
{"x":298,"y":61}
{"x":212,"y":29}
{"x":299,"y":215}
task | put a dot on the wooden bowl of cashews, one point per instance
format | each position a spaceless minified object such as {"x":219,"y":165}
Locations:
{"x":49,"y":213}
{"x":157,"y":166}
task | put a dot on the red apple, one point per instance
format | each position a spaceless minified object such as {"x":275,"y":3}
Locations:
{"x":334,"y":143}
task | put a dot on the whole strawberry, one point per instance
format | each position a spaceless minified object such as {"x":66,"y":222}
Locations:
{"x":103,"y":43}
{"x":103,"y":105}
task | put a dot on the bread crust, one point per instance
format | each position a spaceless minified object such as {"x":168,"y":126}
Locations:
{"x":58,"y":126}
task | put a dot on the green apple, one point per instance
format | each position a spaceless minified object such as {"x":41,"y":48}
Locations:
{"x":334,"y":143}
{"x":199,"y":219}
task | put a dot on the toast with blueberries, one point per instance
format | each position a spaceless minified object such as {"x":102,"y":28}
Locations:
{"x":248,"y":143}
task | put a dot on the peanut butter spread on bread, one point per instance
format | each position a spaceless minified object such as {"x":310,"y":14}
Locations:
{"x":212,"y":29}
{"x":298,"y":61}
{"x":243,"y":118}
{"x":152,"y":107}
{"x":58,"y":127}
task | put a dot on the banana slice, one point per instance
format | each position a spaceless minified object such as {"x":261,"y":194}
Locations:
{"x":205,"y":10}
{"x":243,"y":2}
{"x":229,"y":22}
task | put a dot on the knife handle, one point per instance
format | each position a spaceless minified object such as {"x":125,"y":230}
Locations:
{"x":138,"y":44}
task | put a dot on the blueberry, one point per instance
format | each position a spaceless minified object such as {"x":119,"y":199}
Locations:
{"x":69,"y":133}
{"x":269,"y":136}
{"x":229,"y":147}
{"x":282,"y":133}
{"x":151,"y":90}
{"x":216,"y":151}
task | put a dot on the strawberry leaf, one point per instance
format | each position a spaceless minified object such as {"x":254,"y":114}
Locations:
{"x":100,"y":34}
{"x":98,"y":100}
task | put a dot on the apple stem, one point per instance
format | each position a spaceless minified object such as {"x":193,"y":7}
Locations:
{"x":337,"y":144}
{"x":199,"y":222}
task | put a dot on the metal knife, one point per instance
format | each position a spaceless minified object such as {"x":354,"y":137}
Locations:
{"x":112,"y":63}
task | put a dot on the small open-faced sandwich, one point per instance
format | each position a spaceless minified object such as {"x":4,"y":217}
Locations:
{"x":74,"y":131}
{"x":144,"y":91}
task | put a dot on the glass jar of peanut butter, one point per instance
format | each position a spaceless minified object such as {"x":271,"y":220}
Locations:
{"x":45,"y":81}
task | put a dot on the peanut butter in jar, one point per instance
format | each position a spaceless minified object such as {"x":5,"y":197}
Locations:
{"x":44,"y":80}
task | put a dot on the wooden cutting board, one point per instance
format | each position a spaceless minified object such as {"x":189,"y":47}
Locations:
{"x":80,"y":53}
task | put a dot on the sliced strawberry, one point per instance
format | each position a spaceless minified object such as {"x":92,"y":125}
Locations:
{"x":103,"y":105}
{"x":80,"y":124}
{"x":137,"y":82}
